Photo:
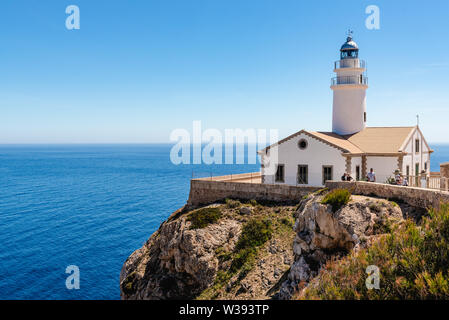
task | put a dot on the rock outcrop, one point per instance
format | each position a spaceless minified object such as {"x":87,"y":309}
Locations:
{"x":177,"y":262}
{"x":322,"y":234}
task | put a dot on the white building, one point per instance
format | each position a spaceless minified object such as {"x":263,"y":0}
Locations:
{"x":311,"y":158}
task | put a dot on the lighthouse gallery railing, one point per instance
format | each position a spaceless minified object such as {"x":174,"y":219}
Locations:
{"x":349,"y":80}
{"x":350,"y":63}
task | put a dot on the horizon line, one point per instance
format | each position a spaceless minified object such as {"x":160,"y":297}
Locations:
{"x":133,"y":143}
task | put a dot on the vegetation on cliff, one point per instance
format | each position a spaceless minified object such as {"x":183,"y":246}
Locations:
{"x":337,"y":198}
{"x":203,"y":217}
{"x":412,"y":259}
{"x":239,"y":266}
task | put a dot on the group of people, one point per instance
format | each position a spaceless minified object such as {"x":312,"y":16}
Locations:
{"x":400,"y":179}
{"x":346,"y":177}
{"x":371,"y":177}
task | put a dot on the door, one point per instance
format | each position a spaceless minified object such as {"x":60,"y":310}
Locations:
{"x":280,"y":173}
{"x":303,"y":173}
{"x":327,"y":174}
{"x":357,"y":173}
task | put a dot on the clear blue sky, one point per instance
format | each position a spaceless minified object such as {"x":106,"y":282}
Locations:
{"x":136,"y":70}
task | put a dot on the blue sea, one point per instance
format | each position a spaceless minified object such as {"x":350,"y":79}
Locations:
{"x":84,"y":205}
{"x":89,"y":206}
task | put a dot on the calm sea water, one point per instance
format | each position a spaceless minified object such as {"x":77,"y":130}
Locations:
{"x":89,"y":206}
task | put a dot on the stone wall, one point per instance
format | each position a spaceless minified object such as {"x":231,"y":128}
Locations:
{"x":444,"y":169}
{"x":205,"y":192}
{"x":423,"y":198}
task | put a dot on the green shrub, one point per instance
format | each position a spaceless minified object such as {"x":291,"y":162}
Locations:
{"x":320,"y":191}
{"x":232,"y":204}
{"x":383,"y":225}
{"x":394,"y":204}
{"x":375,"y":207}
{"x":243,"y":256}
{"x":222,"y":254}
{"x":253,"y":202}
{"x":254,"y":234}
{"x":201,"y":218}
{"x":213,"y":291}
{"x":337,"y":198}
{"x":413,"y":262}
{"x":128,"y":286}
{"x":288,"y":222}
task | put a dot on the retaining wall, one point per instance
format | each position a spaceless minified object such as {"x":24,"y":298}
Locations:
{"x":205,"y":192}
{"x":418,"y":197}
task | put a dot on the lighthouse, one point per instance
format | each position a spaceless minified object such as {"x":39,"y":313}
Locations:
{"x":311,"y":158}
{"x":349,"y":88}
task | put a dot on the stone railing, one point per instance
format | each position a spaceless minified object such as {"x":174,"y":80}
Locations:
{"x":252,"y":177}
{"x":418,"y":197}
{"x":204,"y":191}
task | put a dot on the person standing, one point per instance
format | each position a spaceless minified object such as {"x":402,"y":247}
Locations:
{"x":371,"y":176}
{"x":405,"y":181}
{"x":398,"y":177}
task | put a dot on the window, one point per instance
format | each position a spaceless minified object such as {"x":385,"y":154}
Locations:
{"x":417,"y":146}
{"x":364,"y":116}
{"x":425,"y":166}
{"x":302,"y":144}
{"x":357,"y":173}
{"x":327,"y":173}
{"x":303,"y":172}
{"x":280,"y":173}
{"x":408,"y":170}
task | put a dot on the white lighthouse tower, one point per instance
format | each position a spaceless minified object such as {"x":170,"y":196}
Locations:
{"x":349,"y":87}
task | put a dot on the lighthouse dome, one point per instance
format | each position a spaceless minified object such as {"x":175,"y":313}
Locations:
{"x":349,"y":45}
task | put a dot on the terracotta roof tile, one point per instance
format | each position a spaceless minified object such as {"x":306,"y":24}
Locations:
{"x":381,"y":139}
{"x":338,"y":141}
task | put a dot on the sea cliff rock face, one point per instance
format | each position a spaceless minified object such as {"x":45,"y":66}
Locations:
{"x":180,"y":262}
{"x":177,"y":262}
{"x":322,"y":234}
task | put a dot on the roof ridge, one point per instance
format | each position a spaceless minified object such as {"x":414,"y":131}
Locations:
{"x":385,"y":127}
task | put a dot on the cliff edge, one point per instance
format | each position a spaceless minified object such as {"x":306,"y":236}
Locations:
{"x":235,"y":250}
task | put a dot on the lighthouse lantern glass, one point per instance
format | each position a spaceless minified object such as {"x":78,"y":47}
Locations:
{"x":349,"y":54}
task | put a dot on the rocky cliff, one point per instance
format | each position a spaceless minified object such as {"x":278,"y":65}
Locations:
{"x":185,"y":259}
{"x":250,"y":250}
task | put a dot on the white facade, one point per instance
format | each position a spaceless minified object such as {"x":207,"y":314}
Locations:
{"x":316,"y":156}
{"x":416,"y":161}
